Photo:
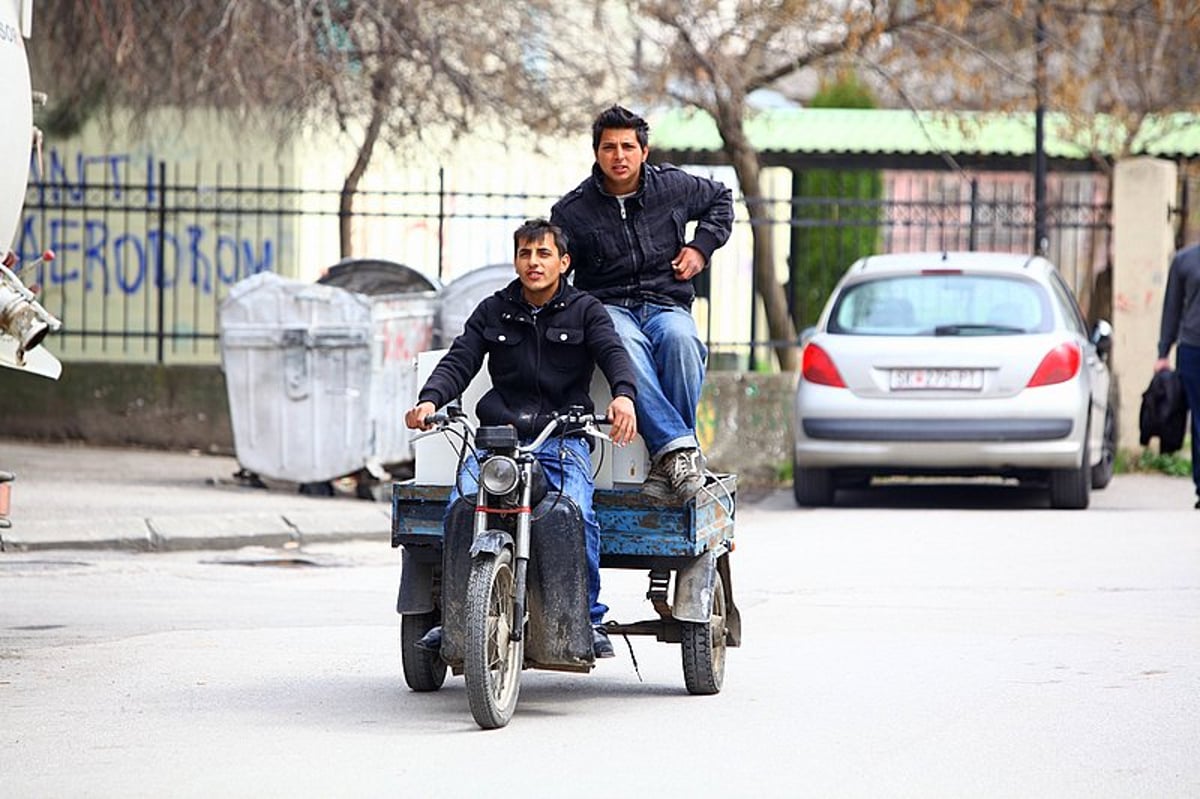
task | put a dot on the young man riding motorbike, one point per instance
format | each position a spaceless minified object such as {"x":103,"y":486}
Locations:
{"x":543,"y":339}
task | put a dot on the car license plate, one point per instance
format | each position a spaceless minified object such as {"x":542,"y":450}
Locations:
{"x":936,"y":379}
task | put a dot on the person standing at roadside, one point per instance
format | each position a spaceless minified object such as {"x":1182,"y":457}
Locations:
{"x":1181,"y":327}
{"x":627,"y":223}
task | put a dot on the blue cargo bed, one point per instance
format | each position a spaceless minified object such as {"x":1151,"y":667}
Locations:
{"x":635,"y":531}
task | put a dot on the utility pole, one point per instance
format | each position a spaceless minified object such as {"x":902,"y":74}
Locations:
{"x":1039,"y":133}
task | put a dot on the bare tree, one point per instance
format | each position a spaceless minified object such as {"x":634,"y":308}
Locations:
{"x":1113,"y":75}
{"x":385,"y":72}
{"x":712,"y":55}
{"x":1131,"y":60}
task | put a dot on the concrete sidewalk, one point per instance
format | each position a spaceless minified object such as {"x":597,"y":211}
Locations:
{"x":85,"y":497}
{"x":82,"y":497}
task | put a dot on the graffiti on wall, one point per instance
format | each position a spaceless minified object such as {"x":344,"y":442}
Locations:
{"x":100,"y":215}
{"x":89,"y":252}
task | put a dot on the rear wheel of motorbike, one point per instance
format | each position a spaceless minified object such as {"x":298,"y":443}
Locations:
{"x":703,"y":647}
{"x":492,"y":659}
{"x":423,"y":671}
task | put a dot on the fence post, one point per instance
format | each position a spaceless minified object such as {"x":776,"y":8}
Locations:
{"x":1184,"y":209}
{"x":751,"y":360}
{"x":441,"y":218}
{"x":1142,"y":239}
{"x":160,"y":270}
{"x":971,"y":242}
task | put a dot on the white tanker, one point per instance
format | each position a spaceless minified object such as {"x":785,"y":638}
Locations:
{"x":18,"y":113}
{"x":23,"y":321}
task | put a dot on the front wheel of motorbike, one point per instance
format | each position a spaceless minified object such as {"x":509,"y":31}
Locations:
{"x":423,"y":671}
{"x":492,"y":659}
{"x":704,"y":647}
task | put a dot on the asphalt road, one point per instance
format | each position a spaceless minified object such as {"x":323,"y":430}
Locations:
{"x":921,"y":641}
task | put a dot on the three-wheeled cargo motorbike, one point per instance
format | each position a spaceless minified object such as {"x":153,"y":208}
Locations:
{"x":504,"y":571}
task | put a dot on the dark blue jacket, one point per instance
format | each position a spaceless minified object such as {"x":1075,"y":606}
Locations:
{"x":539,"y":362}
{"x":621,"y":253}
{"x":1181,"y":302}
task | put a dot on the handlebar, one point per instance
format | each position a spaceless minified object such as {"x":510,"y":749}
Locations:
{"x":441,"y":420}
{"x":588,"y":421}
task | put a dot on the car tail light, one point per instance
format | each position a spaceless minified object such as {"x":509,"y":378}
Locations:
{"x":1060,"y":365}
{"x":817,"y":367}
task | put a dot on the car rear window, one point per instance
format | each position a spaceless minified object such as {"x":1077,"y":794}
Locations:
{"x":942,"y":304}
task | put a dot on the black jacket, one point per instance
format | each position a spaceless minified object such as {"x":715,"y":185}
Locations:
{"x":622,"y":253}
{"x":539,"y":362}
{"x":1164,"y":411}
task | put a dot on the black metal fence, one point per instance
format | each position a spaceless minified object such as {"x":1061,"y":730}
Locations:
{"x":146,"y":254}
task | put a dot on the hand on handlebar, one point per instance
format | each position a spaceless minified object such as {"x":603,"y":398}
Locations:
{"x":623,"y":419}
{"x":415,"y":417}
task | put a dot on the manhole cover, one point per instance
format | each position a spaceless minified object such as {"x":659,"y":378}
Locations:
{"x":277,"y":563}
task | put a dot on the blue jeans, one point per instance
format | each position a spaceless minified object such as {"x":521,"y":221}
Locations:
{"x":1187,"y":363}
{"x":668,"y":357}
{"x":568,"y":467}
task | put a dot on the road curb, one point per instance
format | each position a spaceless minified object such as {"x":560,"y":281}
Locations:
{"x":115,"y":532}
{"x":193,"y":533}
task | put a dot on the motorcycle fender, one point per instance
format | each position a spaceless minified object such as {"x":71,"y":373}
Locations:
{"x":492,"y":541}
{"x":416,"y":585}
{"x":694,"y":585}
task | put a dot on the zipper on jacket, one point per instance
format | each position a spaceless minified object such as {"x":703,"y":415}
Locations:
{"x":630,"y":242}
{"x":531,"y":320}
{"x":537,"y":364}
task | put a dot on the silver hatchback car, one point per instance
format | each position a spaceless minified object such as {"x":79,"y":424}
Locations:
{"x":954,"y":364}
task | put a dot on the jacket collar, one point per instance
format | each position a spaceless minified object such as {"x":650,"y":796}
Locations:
{"x":562,"y":297}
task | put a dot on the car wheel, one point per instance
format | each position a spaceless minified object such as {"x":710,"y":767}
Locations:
{"x":1070,"y":488}
{"x":1102,"y":472}
{"x":812,"y":487}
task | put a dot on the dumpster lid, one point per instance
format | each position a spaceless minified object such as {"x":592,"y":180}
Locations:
{"x":373,"y":276}
{"x":463,"y":293}
{"x":481,"y":281}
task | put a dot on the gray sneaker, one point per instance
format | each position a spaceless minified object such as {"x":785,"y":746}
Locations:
{"x":685,"y":471}
{"x":657,"y":485}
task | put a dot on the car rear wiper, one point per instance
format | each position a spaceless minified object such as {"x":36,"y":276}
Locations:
{"x":960,"y":329}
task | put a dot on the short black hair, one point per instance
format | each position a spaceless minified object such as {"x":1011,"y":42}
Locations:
{"x":618,"y":118}
{"x":538,"y":229}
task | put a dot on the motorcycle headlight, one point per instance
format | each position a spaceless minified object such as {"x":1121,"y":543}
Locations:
{"x":499,"y":475}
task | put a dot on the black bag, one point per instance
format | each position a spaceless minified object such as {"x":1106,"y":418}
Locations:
{"x":1164,"y":411}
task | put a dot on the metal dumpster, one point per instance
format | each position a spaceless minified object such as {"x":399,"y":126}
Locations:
{"x":318,"y":376}
{"x":460,"y":296}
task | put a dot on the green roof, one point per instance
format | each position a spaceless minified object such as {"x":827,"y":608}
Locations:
{"x":845,"y":131}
